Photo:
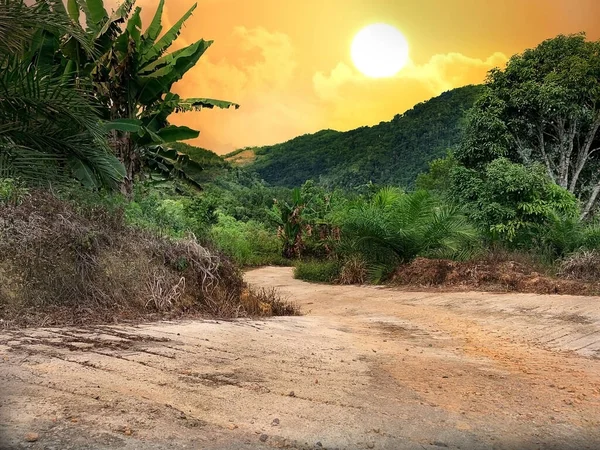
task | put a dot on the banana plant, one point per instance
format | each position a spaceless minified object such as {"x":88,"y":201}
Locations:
{"x":291,"y":224}
{"x":133,"y":77}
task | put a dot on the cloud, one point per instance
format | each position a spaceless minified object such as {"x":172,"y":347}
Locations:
{"x":327,"y":87}
{"x":439,"y":74}
{"x":445,"y":72}
{"x":260,"y":75}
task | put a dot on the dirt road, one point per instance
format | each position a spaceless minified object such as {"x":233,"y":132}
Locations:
{"x":366,"y":367}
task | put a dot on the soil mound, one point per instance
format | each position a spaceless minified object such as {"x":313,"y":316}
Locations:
{"x":486,"y":275}
{"x":63,"y":263}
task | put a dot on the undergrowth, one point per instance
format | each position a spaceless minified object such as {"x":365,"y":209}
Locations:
{"x":76,"y":263}
{"x":317,"y":271}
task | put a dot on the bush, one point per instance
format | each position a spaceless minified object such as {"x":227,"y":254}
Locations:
{"x":317,"y":271}
{"x":267,"y":302}
{"x":354,"y":271}
{"x":590,"y":238}
{"x":511,"y":202}
{"x":12,"y":191}
{"x":247,"y":243}
{"x":395,"y":227}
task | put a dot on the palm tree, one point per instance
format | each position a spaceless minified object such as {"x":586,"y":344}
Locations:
{"x":394,"y":227}
{"x":132,"y":79}
{"x":50,"y":130}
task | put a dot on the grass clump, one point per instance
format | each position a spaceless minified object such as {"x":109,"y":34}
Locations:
{"x":317,"y":271}
{"x":354,"y":270}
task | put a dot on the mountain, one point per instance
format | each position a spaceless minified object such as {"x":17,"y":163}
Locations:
{"x":393,"y":152}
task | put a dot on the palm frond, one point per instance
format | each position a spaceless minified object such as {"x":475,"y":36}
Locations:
{"x":395,"y":227}
{"x":19,"y":22}
{"x":46,"y":122}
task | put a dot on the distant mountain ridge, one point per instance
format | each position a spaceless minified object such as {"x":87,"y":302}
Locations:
{"x":393,"y":152}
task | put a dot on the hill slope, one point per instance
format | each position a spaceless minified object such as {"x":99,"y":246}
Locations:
{"x":393,"y":152}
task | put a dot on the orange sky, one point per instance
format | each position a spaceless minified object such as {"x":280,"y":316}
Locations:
{"x":287,"y":62}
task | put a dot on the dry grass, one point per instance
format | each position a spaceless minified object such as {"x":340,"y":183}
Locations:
{"x":267,"y":302}
{"x":354,"y":271}
{"x":62,"y":265}
{"x":583,"y":265}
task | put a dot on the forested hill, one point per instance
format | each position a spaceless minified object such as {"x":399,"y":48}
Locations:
{"x":393,"y":152}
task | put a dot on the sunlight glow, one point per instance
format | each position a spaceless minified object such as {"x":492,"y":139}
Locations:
{"x":379,"y":50}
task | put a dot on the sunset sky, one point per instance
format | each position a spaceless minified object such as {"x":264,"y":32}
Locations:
{"x":287,"y":62}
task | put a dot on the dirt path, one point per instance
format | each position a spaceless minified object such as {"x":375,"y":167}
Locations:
{"x":365,"y":368}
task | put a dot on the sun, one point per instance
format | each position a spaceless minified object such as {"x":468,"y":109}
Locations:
{"x":379,"y":50}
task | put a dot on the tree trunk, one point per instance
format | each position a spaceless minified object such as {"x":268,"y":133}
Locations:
{"x":585,"y":152}
{"x":589,"y":206}
{"x":123,"y":148}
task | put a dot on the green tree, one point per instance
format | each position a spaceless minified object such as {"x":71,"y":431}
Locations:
{"x":438,"y":177}
{"x":133,"y":77}
{"x":544,"y":107}
{"x":510,"y":201}
{"x":291,"y":224}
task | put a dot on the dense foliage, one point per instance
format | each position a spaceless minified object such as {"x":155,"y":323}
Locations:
{"x":510,"y":201}
{"x":393,"y":152}
{"x":49,"y":125}
{"x":94,"y":79}
{"x":544,"y":107}
{"x":394,"y":227}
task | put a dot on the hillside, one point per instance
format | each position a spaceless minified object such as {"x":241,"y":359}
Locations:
{"x":393,"y":152}
{"x":197,"y":165}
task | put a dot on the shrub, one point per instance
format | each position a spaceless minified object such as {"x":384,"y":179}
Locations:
{"x":12,"y":191}
{"x":267,"y":302}
{"x":354,"y":271}
{"x":247,"y":243}
{"x":395,"y":227}
{"x":590,"y":238}
{"x":510,"y":201}
{"x":317,"y":271}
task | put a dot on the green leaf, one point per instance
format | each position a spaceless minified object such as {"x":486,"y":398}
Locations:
{"x":125,"y":125}
{"x":159,"y":82}
{"x":96,"y":11}
{"x":73,"y":9}
{"x":69,"y":69}
{"x":165,"y":42}
{"x":174,"y":133}
{"x":155,"y":27}
{"x":134,"y":25}
{"x":83,"y":173}
{"x":118,"y":16}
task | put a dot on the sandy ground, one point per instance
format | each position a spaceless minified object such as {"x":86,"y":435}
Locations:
{"x":366,"y":367}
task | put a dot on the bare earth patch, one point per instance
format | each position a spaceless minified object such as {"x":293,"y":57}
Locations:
{"x":366,"y":367}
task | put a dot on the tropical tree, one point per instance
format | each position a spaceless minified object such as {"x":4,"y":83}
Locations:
{"x":512,"y":202}
{"x":133,"y":77}
{"x":49,"y":128}
{"x":544,"y":107}
{"x":291,"y":224}
{"x":394,"y":227}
